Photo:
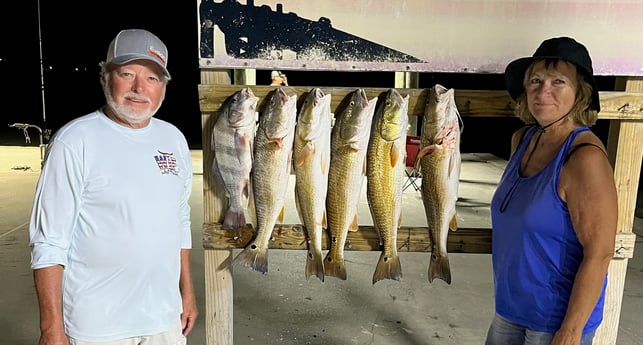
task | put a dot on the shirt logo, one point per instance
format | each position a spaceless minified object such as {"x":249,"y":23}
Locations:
{"x":166,"y":163}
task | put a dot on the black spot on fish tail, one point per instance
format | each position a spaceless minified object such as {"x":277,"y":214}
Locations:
{"x":335,"y":268}
{"x":253,"y":257}
{"x":439,"y":268}
{"x":388,"y":267}
{"x":314,"y":265}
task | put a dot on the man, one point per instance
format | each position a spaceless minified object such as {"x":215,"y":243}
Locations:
{"x":110,"y":226}
{"x":278,"y":79}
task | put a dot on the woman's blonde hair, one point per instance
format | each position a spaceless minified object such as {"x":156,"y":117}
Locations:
{"x":580,"y":112}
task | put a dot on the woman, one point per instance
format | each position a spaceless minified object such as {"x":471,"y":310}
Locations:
{"x":554,"y":212}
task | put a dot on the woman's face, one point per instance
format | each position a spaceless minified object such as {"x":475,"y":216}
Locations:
{"x":550,"y":90}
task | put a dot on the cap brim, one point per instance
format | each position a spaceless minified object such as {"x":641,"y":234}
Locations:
{"x":515,"y":74}
{"x":123,"y":59}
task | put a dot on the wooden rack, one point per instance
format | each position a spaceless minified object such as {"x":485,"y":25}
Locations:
{"x":623,"y":107}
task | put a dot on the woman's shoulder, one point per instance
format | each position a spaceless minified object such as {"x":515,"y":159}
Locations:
{"x":588,"y":142}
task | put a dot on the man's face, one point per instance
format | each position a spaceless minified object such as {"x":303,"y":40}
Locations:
{"x":134,"y":92}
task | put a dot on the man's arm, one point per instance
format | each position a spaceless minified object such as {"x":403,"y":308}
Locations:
{"x":190,"y":310}
{"x":48,"y":281}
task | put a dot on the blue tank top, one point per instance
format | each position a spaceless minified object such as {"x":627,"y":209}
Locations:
{"x":536,"y":253}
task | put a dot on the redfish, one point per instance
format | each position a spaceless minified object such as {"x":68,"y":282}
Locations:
{"x":272,"y":156}
{"x":311,"y":163}
{"x":349,"y":143}
{"x":439,"y":162}
{"x":385,"y":171}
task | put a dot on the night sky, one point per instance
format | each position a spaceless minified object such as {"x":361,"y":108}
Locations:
{"x":75,"y":38}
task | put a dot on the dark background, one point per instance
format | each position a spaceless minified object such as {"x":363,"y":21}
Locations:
{"x":74,"y":39}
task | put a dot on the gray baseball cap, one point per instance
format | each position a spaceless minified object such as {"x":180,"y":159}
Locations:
{"x":135,"y":44}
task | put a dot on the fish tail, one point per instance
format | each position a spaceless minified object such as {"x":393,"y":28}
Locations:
{"x":439,"y":268}
{"x":335,"y":267}
{"x":234,"y":219}
{"x":388,"y":267}
{"x":253,"y":257}
{"x":314,"y":265}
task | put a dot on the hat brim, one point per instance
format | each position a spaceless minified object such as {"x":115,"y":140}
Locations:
{"x":123,"y":59}
{"x":515,"y":74}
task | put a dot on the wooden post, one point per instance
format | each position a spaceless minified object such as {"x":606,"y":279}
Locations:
{"x":625,"y":149}
{"x":410,"y":80}
{"x":218,"y":273}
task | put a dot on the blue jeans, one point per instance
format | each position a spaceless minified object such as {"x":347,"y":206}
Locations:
{"x":504,"y":332}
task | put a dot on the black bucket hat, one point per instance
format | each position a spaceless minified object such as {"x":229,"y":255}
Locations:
{"x":562,"y":48}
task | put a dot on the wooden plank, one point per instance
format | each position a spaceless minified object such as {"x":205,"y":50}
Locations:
{"x":409,"y":239}
{"x":218,"y":275}
{"x":219,"y":295}
{"x":482,"y":103}
{"x":625,"y":149}
{"x":292,"y":236}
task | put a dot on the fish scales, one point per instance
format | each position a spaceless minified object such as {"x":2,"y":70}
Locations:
{"x":439,"y":161}
{"x":270,"y":173}
{"x":231,"y":142}
{"x":349,"y":142}
{"x":385,"y":171}
{"x":312,"y":161}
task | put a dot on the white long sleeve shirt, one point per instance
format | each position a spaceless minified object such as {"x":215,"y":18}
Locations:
{"x":111,"y":206}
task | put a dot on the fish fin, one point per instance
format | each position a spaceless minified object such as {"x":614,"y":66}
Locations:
{"x":324,"y":220}
{"x":216,"y":173}
{"x":396,"y":152}
{"x":354,"y":225}
{"x":253,"y":257}
{"x":304,"y":153}
{"x":364,"y":165}
{"x":314,"y":264}
{"x":279,"y":142}
{"x":388,"y":267}
{"x":280,"y":217}
{"x":453,"y":224}
{"x":452,"y":163}
{"x":427,"y":150}
{"x":335,"y":267}
{"x":251,"y":210}
{"x":325,"y":165}
{"x":439,"y":268}
{"x":245,"y":191}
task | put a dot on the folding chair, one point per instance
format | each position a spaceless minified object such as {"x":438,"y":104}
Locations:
{"x":412,"y":148}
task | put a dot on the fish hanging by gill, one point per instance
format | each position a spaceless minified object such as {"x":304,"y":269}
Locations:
{"x":270,"y":172}
{"x":311,"y":164}
{"x":439,"y":162}
{"x":349,"y":142}
{"x":231,"y":142}
{"x":385,"y":173}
